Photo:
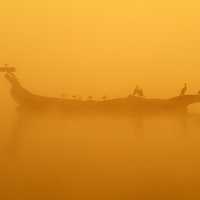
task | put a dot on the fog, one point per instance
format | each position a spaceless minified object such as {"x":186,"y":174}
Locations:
{"x":81,"y":48}
{"x":102,"y":48}
{"x":51,"y":156}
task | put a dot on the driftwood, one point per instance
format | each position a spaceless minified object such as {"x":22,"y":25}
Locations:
{"x":132,"y":105}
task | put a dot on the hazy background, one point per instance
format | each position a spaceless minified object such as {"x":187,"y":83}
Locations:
{"x":106,"y":47}
{"x":99,"y":48}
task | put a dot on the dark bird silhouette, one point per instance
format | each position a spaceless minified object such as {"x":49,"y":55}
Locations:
{"x":29,"y":102}
{"x":135,"y":92}
{"x":138,"y":91}
{"x":184,"y":90}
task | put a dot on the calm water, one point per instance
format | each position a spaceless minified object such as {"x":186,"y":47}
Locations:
{"x":98,"y":158}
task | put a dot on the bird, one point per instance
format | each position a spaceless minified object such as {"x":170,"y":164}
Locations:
{"x":184,"y":90}
{"x":135,"y":92}
{"x":138,"y":91}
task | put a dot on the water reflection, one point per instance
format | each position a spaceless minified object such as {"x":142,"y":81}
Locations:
{"x":100,"y":158}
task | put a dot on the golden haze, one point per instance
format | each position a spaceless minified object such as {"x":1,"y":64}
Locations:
{"x":106,"y":47}
{"x":99,"y":48}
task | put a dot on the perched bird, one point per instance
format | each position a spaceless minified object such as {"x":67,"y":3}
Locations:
{"x":135,"y":92}
{"x":184,"y":90}
{"x":138,"y":91}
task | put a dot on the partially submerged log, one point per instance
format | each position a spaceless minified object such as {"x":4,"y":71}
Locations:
{"x":129,"y":106}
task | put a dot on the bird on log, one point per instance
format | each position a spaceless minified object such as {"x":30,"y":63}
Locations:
{"x":133,"y":105}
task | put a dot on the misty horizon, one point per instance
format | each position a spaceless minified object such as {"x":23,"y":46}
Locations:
{"x":104,"y":101}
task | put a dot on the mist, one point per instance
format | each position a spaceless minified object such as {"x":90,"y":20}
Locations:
{"x":51,"y":156}
{"x":104,"y":48}
{"x":76,"y":49}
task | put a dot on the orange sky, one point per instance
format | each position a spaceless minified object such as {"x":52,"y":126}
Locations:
{"x":85,"y":47}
